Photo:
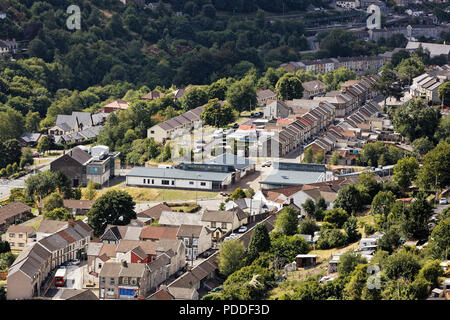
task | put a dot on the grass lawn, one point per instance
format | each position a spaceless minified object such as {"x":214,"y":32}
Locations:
{"x":80,"y":217}
{"x":152,"y":194}
{"x":2,"y":282}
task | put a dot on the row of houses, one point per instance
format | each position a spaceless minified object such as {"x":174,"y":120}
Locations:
{"x":176,"y":126}
{"x":37,"y":262}
{"x":8,"y":46}
{"x":427,"y":84}
{"x":197,"y":281}
{"x":359,"y":65}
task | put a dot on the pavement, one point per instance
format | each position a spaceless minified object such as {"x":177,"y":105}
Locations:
{"x":74,"y":281}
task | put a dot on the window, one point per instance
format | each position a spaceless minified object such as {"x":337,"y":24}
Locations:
{"x":125,"y":280}
{"x":99,"y":265}
{"x":145,"y":181}
{"x":11,"y":244}
{"x":188,"y":251}
{"x":112,"y":281}
{"x":195,"y":242}
{"x":152,"y":131}
{"x":165,"y":182}
{"x":133,"y":281}
{"x":173,"y":182}
{"x":102,"y":280}
{"x":110,"y":292}
{"x":213,"y":224}
{"x":203,"y":184}
{"x":20,"y":235}
{"x":191,"y":182}
{"x":224,"y":225}
{"x":21,"y":244}
{"x":186,"y":241}
{"x":153,"y":181}
{"x":11,"y":235}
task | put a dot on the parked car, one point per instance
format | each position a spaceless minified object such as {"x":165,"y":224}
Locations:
{"x":235,"y":126}
{"x":267,"y":164}
{"x":242,"y":229}
{"x":233,"y":235}
{"x":37,"y":154}
{"x":443,"y":201}
{"x":75,"y":262}
{"x":216,"y":289}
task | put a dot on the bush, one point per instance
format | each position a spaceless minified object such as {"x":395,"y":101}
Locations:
{"x":308,"y":226}
{"x":369,"y":229}
{"x":336,"y":216}
{"x":331,"y":239}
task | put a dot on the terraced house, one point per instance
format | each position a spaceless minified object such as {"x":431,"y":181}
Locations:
{"x":36,"y":262}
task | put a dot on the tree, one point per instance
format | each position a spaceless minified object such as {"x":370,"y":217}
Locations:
{"x":27,"y":158}
{"x":287,"y":221}
{"x":440,"y":240}
{"x":43,"y":144}
{"x":367,"y":185}
{"x":358,"y":279}
{"x":90,"y":192}
{"x":410,"y":68}
{"x":388,"y":85}
{"x":114,"y":207}
{"x":285,"y":248}
{"x":216,"y":114}
{"x":390,"y":240}
{"x":351,"y":229}
{"x":435,"y":171}
{"x":414,"y":222}
{"x":32,"y":120}
{"x":51,"y":202}
{"x":348,"y":262}
{"x":405,"y":171}
{"x":242,"y":95}
{"x":336,"y":216}
{"x":4,"y":246}
{"x":415,"y":119}
{"x":431,"y":272}
{"x":259,"y":242}
{"x":238,"y":193}
{"x":335,"y":157}
{"x":444,"y":94}
{"x":308,"y":226}
{"x":421,"y":146}
{"x":403,"y":264}
{"x":308,"y":156}
{"x":349,"y":198}
{"x":249,"y":193}
{"x":194,"y":98}
{"x":289,"y":87}
{"x":61,"y":214}
{"x":41,"y":184}
{"x":309,"y":207}
{"x":231,"y":255}
{"x":382,"y":203}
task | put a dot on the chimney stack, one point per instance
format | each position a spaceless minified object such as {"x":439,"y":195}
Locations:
{"x":71,"y":223}
{"x":124,"y":263}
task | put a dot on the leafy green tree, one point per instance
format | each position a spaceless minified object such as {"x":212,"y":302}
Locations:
{"x":308,"y":226}
{"x":43,"y":144}
{"x":27,"y":158}
{"x":348,"y":262}
{"x":349,"y":198}
{"x":194,"y":98}
{"x":414,"y":222}
{"x":114,"y":207}
{"x":32,"y":120}
{"x":335,"y":157}
{"x":440,"y":240}
{"x":435,"y":171}
{"x":285,"y":248}
{"x":390,"y":240}
{"x":6,"y":260}
{"x":443,"y":130}
{"x":217,"y":115}
{"x":231,"y":255}
{"x":415,"y":119}
{"x":309,"y":207}
{"x":61,"y":214}
{"x":431,"y":272}
{"x":336,"y":216}
{"x":421,"y":146}
{"x":41,"y":184}
{"x":444,"y":94}
{"x":4,"y":246}
{"x":351,"y":229}
{"x":90,"y":192}
{"x":51,"y":202}
{"x":403,"y":264}
{"x":382,"y":203}
{"x":242,"y":95}
{"x":388,"y":85}
{"x":405,"y":171}
{"x":287,"y":221}
{"x":308,"y":156}
{"x":289,"y":87}
{"x":259,"y":242}
{"x":410,"y":68}
{"x":238,"y":193}
{"x":368,"y":186}
{"x":331,"y":238}
{"x":358,"y":281}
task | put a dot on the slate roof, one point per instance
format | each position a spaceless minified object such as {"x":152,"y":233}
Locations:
{"x":172,"y":173}
{"x":233,"y":160}
{"x":12,"y":209}
{"x":189,"y":230}
{"x":154,"y":212}
{"x":79,"y":155}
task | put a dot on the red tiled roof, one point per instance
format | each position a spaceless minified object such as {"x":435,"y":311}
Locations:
{"x":157,"y":232}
